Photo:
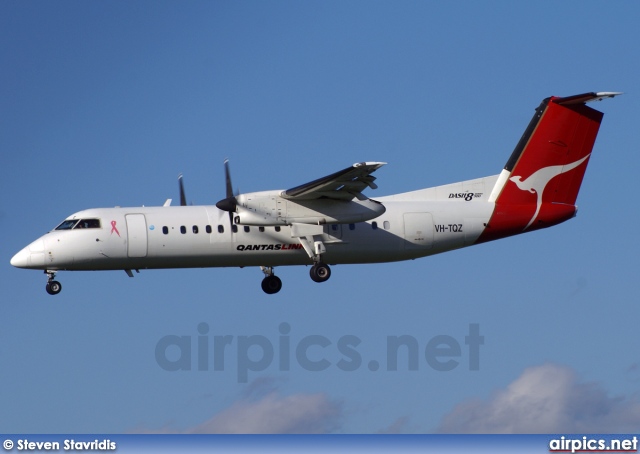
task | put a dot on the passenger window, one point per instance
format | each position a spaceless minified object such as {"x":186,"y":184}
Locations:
{"x":195,"y":229}
{"x":386,"y":225}
{"x":277,"y":228}
{"x":234,"y":228}
{"x":246,"y":228}
{"x":352,"y":226}
{"x":220,"y":228}
{"x":374,"y":225}
{"x":183,"y":229}
{"x":208,"y":229}
{"x":165,"y":230}
{"x":261,"y":229}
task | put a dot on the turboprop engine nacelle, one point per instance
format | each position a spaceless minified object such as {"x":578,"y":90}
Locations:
{"x":268,"y":208}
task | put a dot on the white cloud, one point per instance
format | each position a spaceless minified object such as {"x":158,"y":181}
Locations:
{"x":399,"y":426}
{"x":546,"y":399}
{"x":275,"y":414}
{"x":263,"y":410}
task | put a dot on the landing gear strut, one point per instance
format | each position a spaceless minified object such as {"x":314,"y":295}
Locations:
{"x":271,"y":283}
{"x":53,"y":287}
{"x":315,"y":248}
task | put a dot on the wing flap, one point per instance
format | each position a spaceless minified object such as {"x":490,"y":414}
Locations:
{"x":342,"y":185}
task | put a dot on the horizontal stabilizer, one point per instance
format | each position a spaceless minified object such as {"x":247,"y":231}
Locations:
{"x":587,"y":97}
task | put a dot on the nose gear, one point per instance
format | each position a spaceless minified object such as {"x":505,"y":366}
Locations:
{"x":53,"y":287}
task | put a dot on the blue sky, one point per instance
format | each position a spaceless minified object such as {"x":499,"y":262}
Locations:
{"x":104,"y":103}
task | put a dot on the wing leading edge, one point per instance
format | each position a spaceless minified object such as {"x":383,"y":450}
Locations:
{"x":345,"y":184}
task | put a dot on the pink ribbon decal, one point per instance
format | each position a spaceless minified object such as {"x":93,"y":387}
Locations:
{"x":114,"y":228}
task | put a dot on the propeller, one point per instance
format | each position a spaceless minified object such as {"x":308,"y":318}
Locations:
{"x":183,"y":197}
{"x":230,"y":203}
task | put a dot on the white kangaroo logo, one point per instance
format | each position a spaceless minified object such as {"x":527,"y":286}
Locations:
{"x":538,"y":180}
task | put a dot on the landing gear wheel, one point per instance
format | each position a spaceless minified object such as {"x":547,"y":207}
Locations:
{"x":53,"y":287}
{"x":320,"y":272}
{"x":271,"y":284}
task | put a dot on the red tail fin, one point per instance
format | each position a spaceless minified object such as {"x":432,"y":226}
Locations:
{"x":541,"y":180}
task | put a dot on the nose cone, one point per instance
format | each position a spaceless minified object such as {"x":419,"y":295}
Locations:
{"x":21,"y":259}
{"x":30,"y":257}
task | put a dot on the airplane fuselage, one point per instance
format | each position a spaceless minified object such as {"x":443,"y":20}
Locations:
{"x":415,"y":224}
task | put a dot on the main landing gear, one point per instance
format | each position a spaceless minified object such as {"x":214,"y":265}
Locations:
{"x":53,"y":287}
{"x":319,"y":272}
{"x":271,"y":283}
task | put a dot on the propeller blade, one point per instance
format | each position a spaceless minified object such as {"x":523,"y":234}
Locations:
{"x":227,"y":177}
{"x":183,"y":197}
{"x":229,"y":203}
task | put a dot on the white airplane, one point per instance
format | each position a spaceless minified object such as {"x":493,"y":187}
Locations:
{"x":330,"y":221}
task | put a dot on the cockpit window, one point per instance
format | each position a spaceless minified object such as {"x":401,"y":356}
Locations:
{"x":88,"y":224}
{"x":67,"y":225}
{"x":79,"y":224}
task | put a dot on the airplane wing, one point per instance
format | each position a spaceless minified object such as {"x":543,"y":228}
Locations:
{"x":343,"y":185}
